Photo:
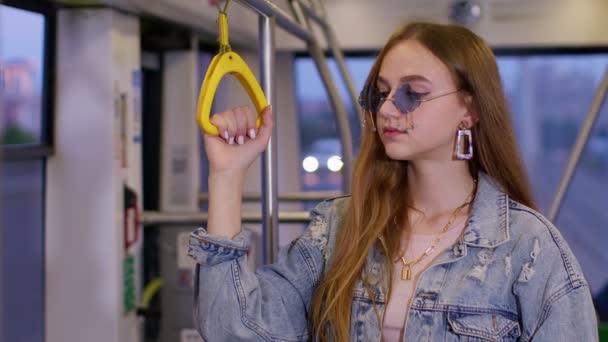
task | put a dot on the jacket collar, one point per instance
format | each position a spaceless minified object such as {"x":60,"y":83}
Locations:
{"x":488,"y":225}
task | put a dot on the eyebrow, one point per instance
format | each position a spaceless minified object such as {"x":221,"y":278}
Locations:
{"x":406,"y":78}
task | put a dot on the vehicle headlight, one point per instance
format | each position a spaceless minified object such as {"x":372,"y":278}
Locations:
{"x":334,"y":163}
{"x":310,"y":164}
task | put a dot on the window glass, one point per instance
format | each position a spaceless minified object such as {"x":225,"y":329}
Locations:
{"x":550,"y":97}
{"x":320,"y":148}
{"x":22,"y":74}
{"x":22,"y":250}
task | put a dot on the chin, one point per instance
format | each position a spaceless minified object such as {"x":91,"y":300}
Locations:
{"x":400,"y":153}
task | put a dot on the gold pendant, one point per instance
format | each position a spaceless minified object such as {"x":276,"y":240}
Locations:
{"x":406,"y":273}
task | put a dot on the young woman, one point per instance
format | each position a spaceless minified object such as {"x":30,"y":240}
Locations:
{"x":439,"y":240}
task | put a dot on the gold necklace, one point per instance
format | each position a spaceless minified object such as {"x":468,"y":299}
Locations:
{"x":406,"y":271}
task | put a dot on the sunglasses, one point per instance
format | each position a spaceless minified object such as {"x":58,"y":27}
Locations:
{"x":405,"y":99}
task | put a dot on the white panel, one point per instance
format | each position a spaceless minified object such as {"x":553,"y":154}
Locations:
{"x":180,"y":136}
{"x":180,"y":184}
{"x":84,"y":197}
{"x":81,"y":216}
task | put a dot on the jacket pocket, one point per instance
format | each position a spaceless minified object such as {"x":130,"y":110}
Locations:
{"x":481,"y":327}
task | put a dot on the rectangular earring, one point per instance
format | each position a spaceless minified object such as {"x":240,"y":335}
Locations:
{"x":464,"y":144}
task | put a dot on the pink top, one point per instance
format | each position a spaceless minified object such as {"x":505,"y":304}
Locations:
{"x":402,"y":290}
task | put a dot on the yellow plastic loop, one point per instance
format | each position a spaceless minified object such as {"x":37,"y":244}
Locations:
{"x":222,"y":64}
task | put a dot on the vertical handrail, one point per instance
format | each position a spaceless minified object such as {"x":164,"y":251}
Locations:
{"x":270,"y":15}
{"x":2,"y":305}
{"x":579,"y":145}
{"x":282,"y":19}
{"x":270,"y":211}
{"x":340,"y":111}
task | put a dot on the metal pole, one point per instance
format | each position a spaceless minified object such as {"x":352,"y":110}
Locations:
{"x":148,"y":218}
{"x":332,"y":41}
{"x":284,"y":20}
{"x":2,"y":276}
{"x":579,"y":145}
{"x":270,"y":206}
{"x":203,"y":197}
{"x":340,"y":111}
{"x":3,"y":314}
{"x":311,"y":13}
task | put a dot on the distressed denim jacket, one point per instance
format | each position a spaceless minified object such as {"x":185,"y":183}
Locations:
{"x":510,"y":277}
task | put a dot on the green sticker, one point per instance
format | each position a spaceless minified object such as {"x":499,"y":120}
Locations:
{"x":128,"y":279}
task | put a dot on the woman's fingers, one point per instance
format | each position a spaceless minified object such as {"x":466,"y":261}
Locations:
{"x":252,"y":130}
{"x":240,"y":114}
{"x":238,"y":125}
{"x":226,"y":123}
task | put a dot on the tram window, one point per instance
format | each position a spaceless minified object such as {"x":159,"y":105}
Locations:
{"x":26,"y":28}
{"x":550,"y":96}
{"x":22,"y":251}
{"x":22,"y":39}
{"x":320,"y":149}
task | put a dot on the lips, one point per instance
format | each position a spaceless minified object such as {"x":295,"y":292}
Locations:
{"x":391,"y":132}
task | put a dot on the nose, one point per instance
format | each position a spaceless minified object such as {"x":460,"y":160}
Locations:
{"x":388,"y":109}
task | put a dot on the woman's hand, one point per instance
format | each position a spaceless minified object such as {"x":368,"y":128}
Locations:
{"x":230,"y":155}
{"x":240,"y":142}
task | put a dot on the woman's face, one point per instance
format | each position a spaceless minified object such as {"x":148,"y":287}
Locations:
{"x":414,"y":71}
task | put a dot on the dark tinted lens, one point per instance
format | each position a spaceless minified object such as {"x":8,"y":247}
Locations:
{"x":405,"y":99}
{"x":370,"y":99}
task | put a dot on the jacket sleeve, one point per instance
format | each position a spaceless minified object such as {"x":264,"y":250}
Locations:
{"x":568,"y":316}
{"x":556,"y":299}
{"x":232,"y":303}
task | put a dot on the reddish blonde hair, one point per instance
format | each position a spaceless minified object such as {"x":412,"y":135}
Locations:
{"x":380,"y":184}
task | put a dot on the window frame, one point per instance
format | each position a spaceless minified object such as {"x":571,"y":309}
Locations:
{"x":45,"y":147}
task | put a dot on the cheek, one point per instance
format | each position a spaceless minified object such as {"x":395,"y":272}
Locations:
{"x":438,"y":125}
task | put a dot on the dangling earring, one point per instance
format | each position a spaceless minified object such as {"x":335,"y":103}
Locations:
{"x":464,"y":143}
{"x":409,"y":117}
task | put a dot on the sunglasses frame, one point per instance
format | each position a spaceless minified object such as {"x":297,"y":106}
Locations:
{"x":363,"y":102}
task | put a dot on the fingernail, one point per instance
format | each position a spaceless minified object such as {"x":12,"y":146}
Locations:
{"x":252,"y":133}
{"x":231,"y":141}
{"x":226,"y":135}
{"x":240,"y":140}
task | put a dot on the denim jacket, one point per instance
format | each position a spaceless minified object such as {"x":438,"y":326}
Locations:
{"x":510,"y":277}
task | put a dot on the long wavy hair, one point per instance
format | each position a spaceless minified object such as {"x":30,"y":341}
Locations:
{"x":380,"y":185}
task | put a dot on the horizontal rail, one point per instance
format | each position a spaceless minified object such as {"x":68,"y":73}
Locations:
{"x":284,"y":20}
{"x":203,"y":197}
{"x":196,"y":218}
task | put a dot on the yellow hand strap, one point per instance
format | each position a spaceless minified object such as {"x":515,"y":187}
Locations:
{"x":226,"y":61}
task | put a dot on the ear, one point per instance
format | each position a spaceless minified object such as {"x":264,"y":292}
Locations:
{"x":470,"y":117}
